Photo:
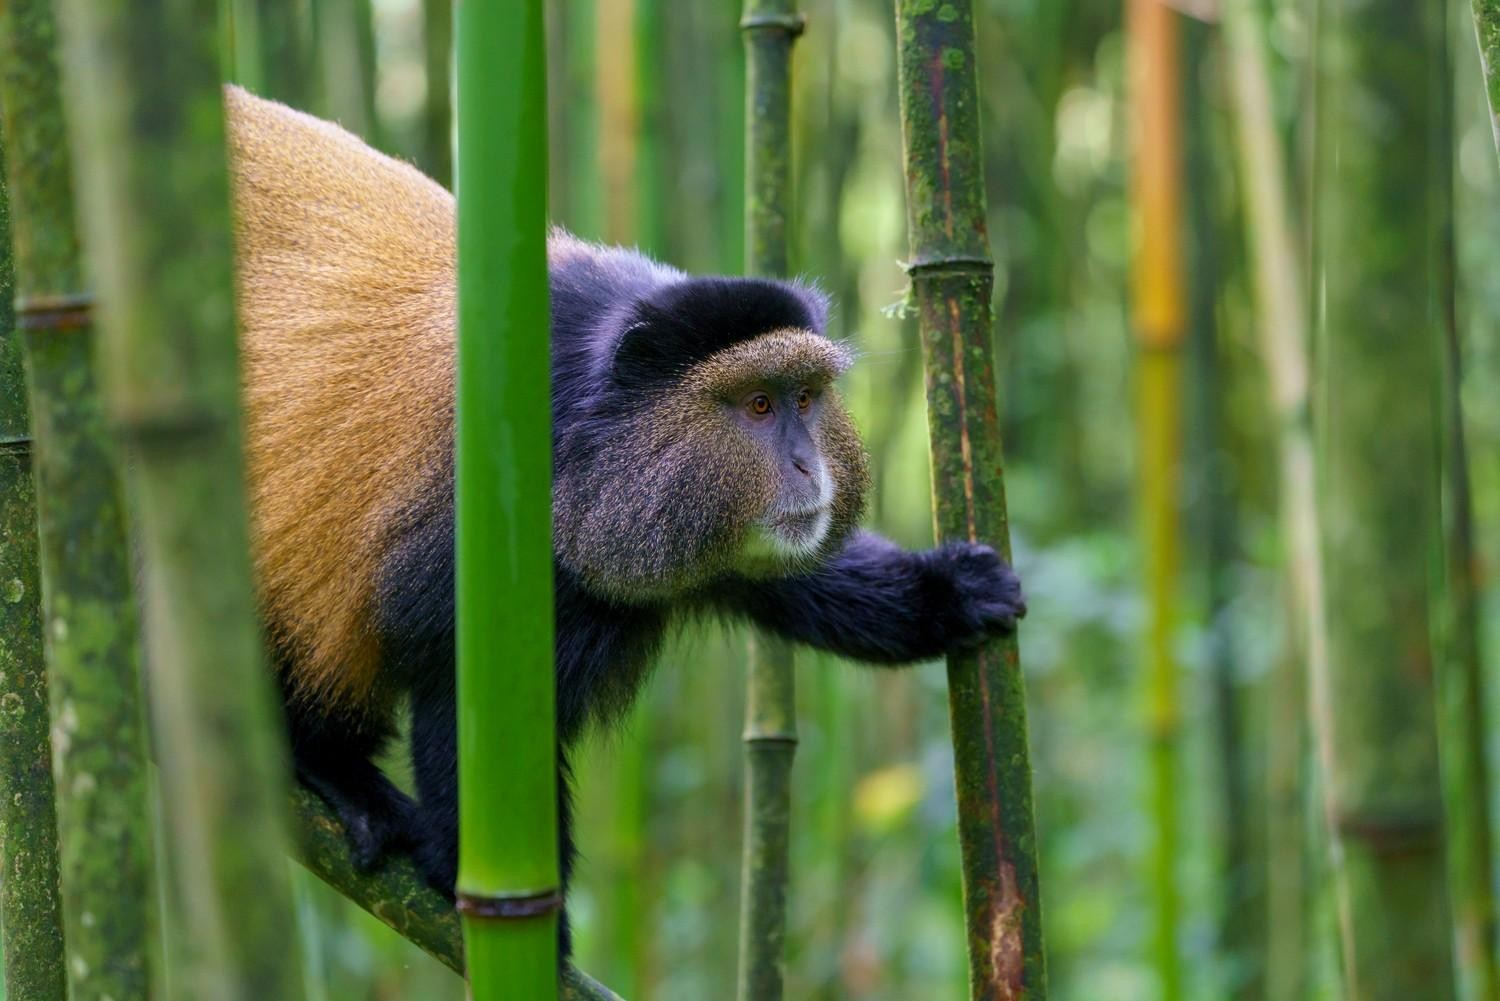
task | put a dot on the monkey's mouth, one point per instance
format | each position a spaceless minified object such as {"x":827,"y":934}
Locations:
{"x":801,"y":528}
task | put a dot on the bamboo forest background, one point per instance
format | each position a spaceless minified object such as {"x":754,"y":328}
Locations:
{"x":647,"y":148}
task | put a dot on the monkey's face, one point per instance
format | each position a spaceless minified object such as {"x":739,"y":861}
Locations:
{"x":782,"y":419}
{"x":747,"y":462}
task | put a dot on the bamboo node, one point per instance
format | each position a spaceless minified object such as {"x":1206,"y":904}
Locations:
{"x":54,"y":312}
{"x":509,"y":906}
{"x":943,"y":265}
{"x":792,"y":24}
{"x":18,"y":444}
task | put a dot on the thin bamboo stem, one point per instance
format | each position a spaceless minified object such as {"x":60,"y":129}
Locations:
{"x":1461,"y":681}
{"x":437,"y":112}
{"x":145,"y":107}
{"x":952,"y":279}
{"x":508,"y":879}
{"x":1487,"y":30}
{"x":1159,"y":307}
{"x":89,"y":611}
{"x":770,"y":28}
{"x":1281,"y":310}
{"x":1242,"y":926}
{"x":1382,"y":216}
{"x":30,"y":913}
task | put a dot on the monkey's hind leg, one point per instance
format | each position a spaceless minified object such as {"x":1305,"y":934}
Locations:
{"x":333,"y":758}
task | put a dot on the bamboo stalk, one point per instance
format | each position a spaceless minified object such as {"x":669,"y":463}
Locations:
{"x":1281,"y":326}
{"x":952,"y":280}
{"x":1487,"y":30}
{"x":145,"y":107}
{"x":1461,"y":681}
{"x":1160,"y":325}
{"x":1242,"y":926}
{"x":437,"y":112}
{"x":344,"y":34}
{"x":30,"y":913}
{"x":770,"y":28}
{"x":1380,"y":223}
{"x":508,"y":861}
{"x":99,"y":752}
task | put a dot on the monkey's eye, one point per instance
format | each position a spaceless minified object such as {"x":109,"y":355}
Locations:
{"x":759,"y":404}
{"x":804,"y":400}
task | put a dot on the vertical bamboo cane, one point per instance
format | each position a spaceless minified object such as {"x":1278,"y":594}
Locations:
{"x":30,"y":914}
{"x":1159,"y":319}
{"x":1381,"y":214}
{"x":770,"y":27}
{"x":103,"y":804}
{"x":145,"y":107}
{"x":952,"y":278}
{"x":437,"y":113}
{"x":1461,"y":680}
{"x":1487,"y":29}
{"x":1281,"y":324}
{"x":508,"y":865}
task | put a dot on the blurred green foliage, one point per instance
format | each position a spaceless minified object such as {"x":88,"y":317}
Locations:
{"x":875,"y":890}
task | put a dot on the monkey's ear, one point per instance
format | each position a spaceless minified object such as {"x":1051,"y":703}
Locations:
{"x":678,"y":325}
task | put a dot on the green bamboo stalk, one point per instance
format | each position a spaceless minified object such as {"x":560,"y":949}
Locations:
{"x":30,"y":914}
{"x":1281,"y":309}
{"x":1461,"y":682}
{"x":273,"y":49}
{"x":344,"y":35}
{"x":508,"y":866}
{"x":89,"y":612}
{"x":1380,"y":222}
{"x":770,"y":27}
{"x":1242,"y":910}
{"x":952,"y":278}
{"x":1487,"y":30}
{"x":437,"y":111}
{"x":1466,"y":772}
{"x":397,"y":894}
{"x":145,"y":107}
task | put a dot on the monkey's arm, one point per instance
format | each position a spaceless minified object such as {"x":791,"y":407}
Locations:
{"x":877,"y":602}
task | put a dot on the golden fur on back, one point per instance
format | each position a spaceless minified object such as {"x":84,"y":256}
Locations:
{"x":346,"y":286}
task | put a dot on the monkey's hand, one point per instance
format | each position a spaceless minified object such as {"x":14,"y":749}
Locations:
{"x":971,"y":594}
{"x":878,"y":602}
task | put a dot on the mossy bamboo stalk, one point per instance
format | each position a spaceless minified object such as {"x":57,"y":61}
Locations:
{"x":397,"y":895}
{"x":1159,"y":318}
{"x":1281,"y":311}
{"x":508,"y":882}
{"x":437,"y":111}
{"x":1382,"y":212}
{"x":145,"y":108}
{"x":89,"y":612}
{"x":770,"y":28}
{"x":31,"y":928}
{"x":952,"y":278}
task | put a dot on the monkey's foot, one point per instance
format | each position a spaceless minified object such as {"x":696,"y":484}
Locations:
{"x":378,"y":818}
{"x":436,"y":855}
